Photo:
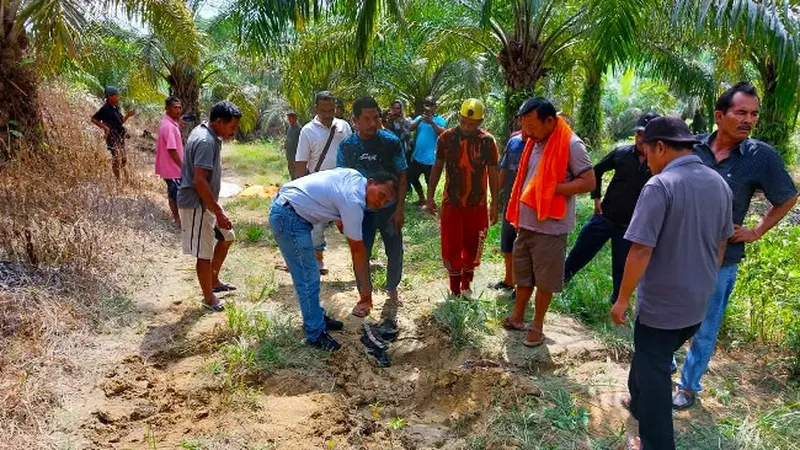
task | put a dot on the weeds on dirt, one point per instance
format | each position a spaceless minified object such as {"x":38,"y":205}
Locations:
{"x":248,"y":204}
{"x":260,"y":342}
{"x":467,"y":322}
{"x":65,"y":224}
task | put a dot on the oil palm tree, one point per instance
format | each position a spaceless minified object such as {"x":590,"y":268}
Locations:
{"x":36,"y":32}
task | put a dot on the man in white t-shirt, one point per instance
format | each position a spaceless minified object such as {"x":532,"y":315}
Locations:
{"x":333,"y":195}
{"x":316,"y":151}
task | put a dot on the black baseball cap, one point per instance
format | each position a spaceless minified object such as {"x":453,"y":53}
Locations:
{"x":668,"y":129}
{"x":644,"y":119}
{"x":429,"y":100}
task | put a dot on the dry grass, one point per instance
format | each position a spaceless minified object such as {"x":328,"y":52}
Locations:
{"x":66,"y":227}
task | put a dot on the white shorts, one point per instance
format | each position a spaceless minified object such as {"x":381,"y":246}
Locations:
{"x":199,"y":232}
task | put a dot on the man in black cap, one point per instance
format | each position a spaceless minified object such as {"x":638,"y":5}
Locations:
{"x":679,"y":231}
{"x":292,"y":138}
{"x":611,"y":217}
{"x":110,"y":120}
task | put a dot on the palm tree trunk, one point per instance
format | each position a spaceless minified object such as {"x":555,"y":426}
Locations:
{"x":184,"y":84}
{"x":521,"y":71}
{"x":774,"y":125}
{"x":590,"y":118}
{"x":20,"y":118}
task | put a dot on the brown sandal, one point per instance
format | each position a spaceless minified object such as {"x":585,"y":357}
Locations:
{"x":508,"y":324}
{"x":362,"y":309}
{"x":536,"y":342}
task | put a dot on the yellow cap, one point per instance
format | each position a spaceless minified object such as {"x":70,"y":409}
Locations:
{"x":472,"y":108}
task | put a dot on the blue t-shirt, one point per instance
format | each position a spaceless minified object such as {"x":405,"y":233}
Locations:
{"x":510,"y":162}
{"x":382,"y":152}
{"x":330,"y":195}
{"x":425,"y":145}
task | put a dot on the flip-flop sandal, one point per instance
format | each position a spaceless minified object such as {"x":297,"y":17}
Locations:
{"x":509,"y":325}
{"x":219,"y":307}
{"x":362,"y":309}
{"x":535,"y":343}
{"x":323,"y":271}
{"x":223,"y":287}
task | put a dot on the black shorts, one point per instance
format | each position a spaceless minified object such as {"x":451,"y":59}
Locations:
{"x":172,"y":188}
{"x":508,"y":234}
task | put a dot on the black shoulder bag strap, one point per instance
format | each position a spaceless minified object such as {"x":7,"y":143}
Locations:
{"x":325,"y":150}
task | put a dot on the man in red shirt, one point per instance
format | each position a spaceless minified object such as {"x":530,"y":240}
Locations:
{"x":468,"y":155}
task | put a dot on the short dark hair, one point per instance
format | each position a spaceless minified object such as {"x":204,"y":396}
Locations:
{"x":224,"y":110}
{"x":725,"y":100}
{"x":171,"y":100}
{"x":542,"y":106}
{"x":383,"y":177}
{"x":365,"y":102}
{"x":324,"y":96}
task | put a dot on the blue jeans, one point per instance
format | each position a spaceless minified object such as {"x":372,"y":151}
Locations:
{"x":592,"y":238}
{"x":378,"y":221}
{"x":705,"y":339}
{"x":293,"y":235}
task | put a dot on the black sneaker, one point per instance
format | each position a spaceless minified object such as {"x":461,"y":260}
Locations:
{"x":501,"y":286}
{"x":332,"y":324}
{"x":388,"y":330}
{"x":324,"y":342}
{"x":375,"y":346}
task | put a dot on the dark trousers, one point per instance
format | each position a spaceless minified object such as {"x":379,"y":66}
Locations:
{"x":414,"y":171}
{"x":378,"y":221}
{"x":650,"y":383}
{"x":592,"y":238}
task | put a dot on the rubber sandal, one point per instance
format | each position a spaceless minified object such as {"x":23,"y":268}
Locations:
{"x":219,"y":307}
{"x":223,"y":287}
{"x":536,"y":343}
{"x":323,"y":271}
{"x":509,"y":325}
{"x":362,"y":309}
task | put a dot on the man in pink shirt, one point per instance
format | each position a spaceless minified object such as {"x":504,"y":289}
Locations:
{"x":169,"y":153}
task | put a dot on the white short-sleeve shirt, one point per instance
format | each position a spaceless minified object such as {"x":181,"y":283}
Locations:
{"x":312,"y":141}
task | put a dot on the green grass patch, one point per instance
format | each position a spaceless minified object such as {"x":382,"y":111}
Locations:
{"x":248,"y":204}
{"x":259,"y":163}
{"x":468,"y":322}
{"x":260,"y":342}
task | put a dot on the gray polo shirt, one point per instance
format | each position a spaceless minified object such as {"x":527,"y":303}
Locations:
{"x":683,"y":213}
{"x":203,"y":150}
{"x":579,"y":162}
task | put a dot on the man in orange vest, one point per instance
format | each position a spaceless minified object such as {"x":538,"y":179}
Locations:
{"x":554,"y":168}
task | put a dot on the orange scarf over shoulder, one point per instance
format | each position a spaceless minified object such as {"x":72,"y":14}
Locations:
{"x":540,"y":194}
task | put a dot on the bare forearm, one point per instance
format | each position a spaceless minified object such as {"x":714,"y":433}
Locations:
{"x":100,"y":124}
{"x":635,"y":265}
{"x":204,"y":192}
{"x":584,"y":183}
{"x":436,"y":173}
{"x":174,"y":155}
{"x":439,"y":130}
{"x":774,"y":215}
{"x":300,"y":168}
{"x":493,"y":184}
{"x":402,"y":181}
{"x":721,"y":252}
{"x":361,"y":268}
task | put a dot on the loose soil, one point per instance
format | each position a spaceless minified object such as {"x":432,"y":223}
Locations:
{"x":151,"y":383}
